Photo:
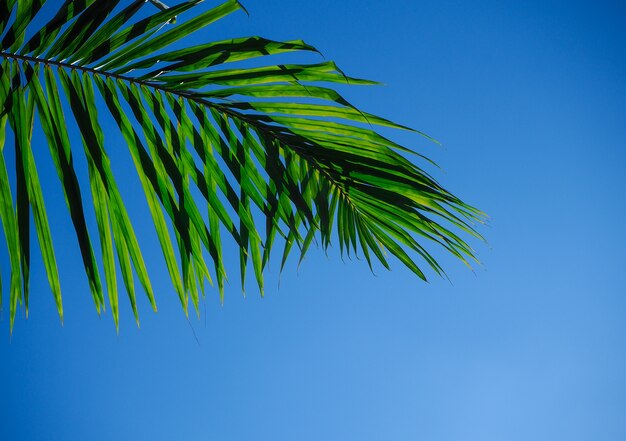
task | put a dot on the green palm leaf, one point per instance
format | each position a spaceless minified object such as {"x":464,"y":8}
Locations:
{"x":272,"y":151}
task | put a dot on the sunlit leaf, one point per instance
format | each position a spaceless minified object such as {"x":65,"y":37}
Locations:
{"x":231,"y":144}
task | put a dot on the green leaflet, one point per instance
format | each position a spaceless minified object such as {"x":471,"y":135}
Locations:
{"x":35,"y":199}
{"x":252,"y":242}
{"x":134,"y":143}
{"x":26,"y":11}
{"x":46,"y":35}
{"x":52,"y":118}
{"x":101,"y":206}
{"x":278,"y":91}
{"x":137,"y":33}
{"x":7,"y":213}
{"x":81,"y":98}
{"x":5,"y":13}
{"x":9,"y":223}
{"x":290,"y":73}
{"x":21,"y":122}
{"x":211,"y":54}
{"x":106,"y":31}
{"x":287,"y":108}
{"x":81,"y":29}
{"x":175,"y":34}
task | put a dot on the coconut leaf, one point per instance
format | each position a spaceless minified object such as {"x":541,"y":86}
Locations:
{"x":263,"y":153}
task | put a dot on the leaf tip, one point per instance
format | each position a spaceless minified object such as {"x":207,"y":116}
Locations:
{"x":243,"y":8}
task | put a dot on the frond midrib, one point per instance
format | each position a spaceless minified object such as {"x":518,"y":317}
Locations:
{"x":91,"y":70}
{"x":185,"y":95}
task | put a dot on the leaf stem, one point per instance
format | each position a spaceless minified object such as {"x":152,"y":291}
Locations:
{"x":190,"y":96}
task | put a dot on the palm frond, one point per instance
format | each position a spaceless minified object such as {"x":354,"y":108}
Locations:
{"x":272,"y":150}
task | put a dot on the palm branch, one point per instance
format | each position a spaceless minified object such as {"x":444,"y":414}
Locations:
{"x":277,"y":156}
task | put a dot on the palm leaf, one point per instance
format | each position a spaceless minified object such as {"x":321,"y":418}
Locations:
{"x":273,"y":152}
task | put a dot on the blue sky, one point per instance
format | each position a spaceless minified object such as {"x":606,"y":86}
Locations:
{"x":529,"y":100}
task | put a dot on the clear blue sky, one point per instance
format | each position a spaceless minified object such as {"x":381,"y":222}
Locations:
{"x":529,"y":99}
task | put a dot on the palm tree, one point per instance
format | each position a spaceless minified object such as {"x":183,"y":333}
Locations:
{"x":271,"y":146}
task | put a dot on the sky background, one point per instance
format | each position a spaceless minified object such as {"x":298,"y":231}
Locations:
{"x":529,"y":100}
